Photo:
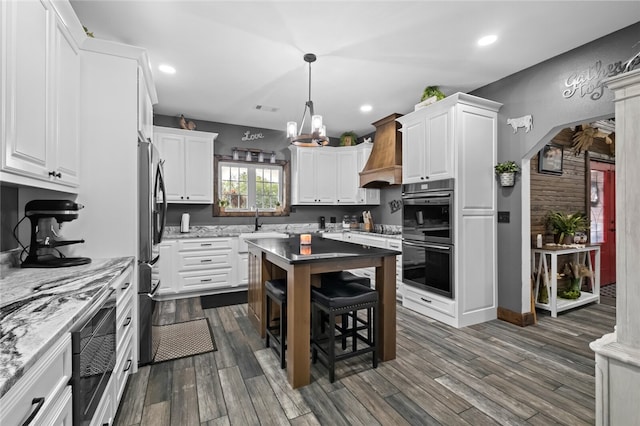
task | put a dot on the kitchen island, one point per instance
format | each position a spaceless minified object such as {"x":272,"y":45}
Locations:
{"x":271,"y":258}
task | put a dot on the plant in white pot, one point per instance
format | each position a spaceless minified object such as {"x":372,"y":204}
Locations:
{"x":507,"y":171}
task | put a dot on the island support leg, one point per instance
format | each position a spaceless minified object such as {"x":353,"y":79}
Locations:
{"x":386,"y":287}
{"x":298,"y":325}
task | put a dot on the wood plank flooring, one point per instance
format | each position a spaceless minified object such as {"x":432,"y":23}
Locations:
{"x":489,"y":374}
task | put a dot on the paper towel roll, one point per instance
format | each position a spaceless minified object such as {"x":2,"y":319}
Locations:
{"x":184,"y":223}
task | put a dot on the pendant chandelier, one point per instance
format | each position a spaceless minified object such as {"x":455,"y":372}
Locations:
{"x":318,"y":133}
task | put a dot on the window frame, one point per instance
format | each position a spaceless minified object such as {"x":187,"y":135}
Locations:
{"x":218,"y":211}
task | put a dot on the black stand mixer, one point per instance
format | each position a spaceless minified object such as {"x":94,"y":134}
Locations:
{"x":45,"y":216}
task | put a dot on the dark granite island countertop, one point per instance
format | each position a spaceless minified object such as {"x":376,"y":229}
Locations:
{"x":271,"y":258}
{"x":37,"y":306}
{"x":320,"y":249}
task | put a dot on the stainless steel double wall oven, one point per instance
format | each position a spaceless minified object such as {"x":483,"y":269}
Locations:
{"x":427,"y":236}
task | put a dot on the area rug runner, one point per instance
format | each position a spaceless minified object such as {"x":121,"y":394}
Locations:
{"x":174,"y":341}
{"x":608,"y":290}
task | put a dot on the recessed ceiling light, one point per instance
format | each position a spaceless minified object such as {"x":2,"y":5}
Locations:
{"x":487,"y":40}
{"x":366,"y":108}
{"x":167,"y":69}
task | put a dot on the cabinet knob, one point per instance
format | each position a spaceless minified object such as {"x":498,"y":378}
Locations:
{"x":181,"y":197}
{"x":187,"y":197}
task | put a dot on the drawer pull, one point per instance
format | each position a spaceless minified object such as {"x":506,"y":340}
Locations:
{"x":128,"y":366}
{"x":205,"y":280}
{"x":425,"y":300}
{"x":206,"y":260}
{"x":39,"y":402}
{"x":125,"y":286}
{"x":206,"y":245}
{"x":127,"y":322}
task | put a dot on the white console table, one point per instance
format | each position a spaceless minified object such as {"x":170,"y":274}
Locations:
{"x":544,"y":262}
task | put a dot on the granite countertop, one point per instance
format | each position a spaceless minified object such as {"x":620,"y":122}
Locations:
{"x":39,"y":305}
{"x":320,"y":249}
{"x":213,"y":231}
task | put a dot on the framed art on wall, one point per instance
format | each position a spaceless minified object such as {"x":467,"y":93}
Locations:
{"x":550,"y":159}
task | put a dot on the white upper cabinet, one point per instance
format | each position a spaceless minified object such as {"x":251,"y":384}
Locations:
{"x":347,"y":187}
{"x":188,"y":166}
{"x":365,"y":195}
{"x":313,"y":176}
{"x":145,"y":106}
{"x":330,"y":175}
{"x":40,"y":65}
{"x":427,"y":145}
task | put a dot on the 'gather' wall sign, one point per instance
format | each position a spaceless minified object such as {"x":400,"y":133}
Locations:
{"x":589,"y":82}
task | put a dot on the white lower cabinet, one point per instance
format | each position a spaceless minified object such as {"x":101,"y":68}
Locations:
{"x":195,"y":266}
{"x":440,"y":308}
{"x":61,"y":414}
{"x":43,"y":391}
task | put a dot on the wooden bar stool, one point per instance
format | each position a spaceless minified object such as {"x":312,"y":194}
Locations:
{"x":344,"y":277}
{"x":276,"y":291}
{"x":339,"y":298}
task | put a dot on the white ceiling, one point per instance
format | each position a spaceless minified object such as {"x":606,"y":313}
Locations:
{"x":233,"y":55}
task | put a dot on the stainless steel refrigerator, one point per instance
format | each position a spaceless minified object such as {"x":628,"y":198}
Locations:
{"x":151,"y":220}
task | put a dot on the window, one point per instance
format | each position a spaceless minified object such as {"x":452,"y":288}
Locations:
{"x":242,"y":186}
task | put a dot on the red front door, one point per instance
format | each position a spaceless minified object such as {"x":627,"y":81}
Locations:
{"x":603,"y":218}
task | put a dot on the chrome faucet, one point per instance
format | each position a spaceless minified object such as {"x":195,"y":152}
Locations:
{"x":258,"y":225}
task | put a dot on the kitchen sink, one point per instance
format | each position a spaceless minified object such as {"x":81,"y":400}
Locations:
{"x":242,"y":244}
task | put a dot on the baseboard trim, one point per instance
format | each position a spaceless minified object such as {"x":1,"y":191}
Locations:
{"x":517,"y":318}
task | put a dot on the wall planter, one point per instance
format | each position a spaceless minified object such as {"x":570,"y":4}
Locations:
{"x":507,"y":172}
{"x":507,"y":179}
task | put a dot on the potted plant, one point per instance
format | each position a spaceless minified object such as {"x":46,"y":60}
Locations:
{"x":507,"y":171}
{"x":348,"y":138}
{"x":566,"y":225}
{"x":430,"y":95}
{"x":222,"y":203}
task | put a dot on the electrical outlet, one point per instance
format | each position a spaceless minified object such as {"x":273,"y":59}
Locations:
{"x":503,"y":217}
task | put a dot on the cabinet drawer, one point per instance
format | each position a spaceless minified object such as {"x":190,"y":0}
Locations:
{"x":47,"y":379}
{"x":124,"y":366}
{"x":204,"y":244}
{"x":124,"y":285}
{"x":210,"y":259}
{"x":61,"y":413}
{"x":205,"y":279}
{"x":422,"y":302}
{"x":394,"y":244}
{"x":124,"y":318}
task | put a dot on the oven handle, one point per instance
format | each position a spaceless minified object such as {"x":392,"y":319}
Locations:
{"x":431,"y":246}
{"x":426,"y":196}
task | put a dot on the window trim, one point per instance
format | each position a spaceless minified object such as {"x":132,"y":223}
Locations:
{"x":217,"y":211}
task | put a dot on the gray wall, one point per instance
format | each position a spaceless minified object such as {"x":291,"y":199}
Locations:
{"x":230,"y":136}
{"x":539,"y":91}
{"x":9,"y":214}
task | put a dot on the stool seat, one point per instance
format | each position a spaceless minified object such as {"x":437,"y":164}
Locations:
{"x":342,"y":294}
{"x":344,"y":276}
{"x":277,"y":289}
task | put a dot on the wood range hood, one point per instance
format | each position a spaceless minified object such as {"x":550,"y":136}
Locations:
{"x":384,"y":167}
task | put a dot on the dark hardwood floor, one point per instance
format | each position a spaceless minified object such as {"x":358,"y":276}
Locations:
{"x":489,"y":374}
